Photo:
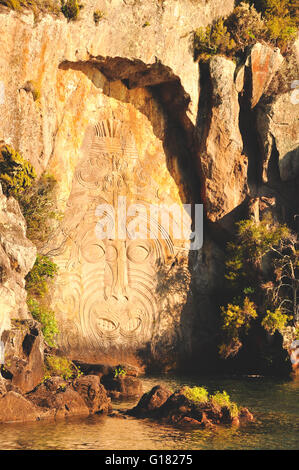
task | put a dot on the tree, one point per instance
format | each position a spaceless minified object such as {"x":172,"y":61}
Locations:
{"x":262,"y":272}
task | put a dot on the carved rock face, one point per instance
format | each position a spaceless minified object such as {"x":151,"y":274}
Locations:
{"x":105,"y":294}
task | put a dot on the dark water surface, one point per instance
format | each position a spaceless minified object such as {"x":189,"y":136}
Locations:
{"x":274,"y":403}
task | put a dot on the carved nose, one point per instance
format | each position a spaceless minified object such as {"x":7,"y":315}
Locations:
{"x":118,"y":270}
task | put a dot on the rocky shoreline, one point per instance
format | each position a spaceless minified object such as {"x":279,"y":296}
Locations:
{"x":176,"y":408}
{"x":56,"y":398}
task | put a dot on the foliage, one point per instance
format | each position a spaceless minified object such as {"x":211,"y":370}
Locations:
{"x":97,"y":16}
{"x":236,"y":319}
{"x":281,"y":20}
{"x":38,"y":205}
{"x":281,"y":30}
{"x":271,"y":21}
{"x":13,"y":4}
{"x":70,"y":9}
{"x":212,"y":40}
{"x":274,"y":321}
{"x":253,"y":241}
{"x":196,"y":394}
{"x":119,"y":372}
{"x":245,"y":26}
{"x":60,"y":366}
{"x":37,"y":279}
{"x":273,"y":289}
{"x":16,"y":173}
{"x":46,"y":6}
{"x":46,"y":317}
{"x":222,"y":399}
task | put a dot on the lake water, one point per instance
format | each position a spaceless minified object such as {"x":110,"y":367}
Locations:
{"x":274,"y":403}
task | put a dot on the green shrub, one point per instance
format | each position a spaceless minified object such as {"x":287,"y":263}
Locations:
{"x":271,"y":21}
{"x":13,"y":4}
{"x":16,"y":173}
{"x":60,"y":366}
{"x":196,"y":394}
{"x":236,"y":319}
{"x":119,"y":372}
{"x":281,"y":21}
{"x":245,"y":26}
{"x":254,"y":240}
{"x":38,"y":205}
{"x":70,"y":9}
{"x":46,"y":318}
{"x":248,"y":283}
{"x":37,"y":281}
{"x":212,"y":40}
{"x":38,"y":278}
{"x":281,"y":31}
{"x":46,"y":6}
{"x":221,"y":399}
{"x":97,"y":16}
{"x":275,"y":321}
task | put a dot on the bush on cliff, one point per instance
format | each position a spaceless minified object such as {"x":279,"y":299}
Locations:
{"x":46,"y":317}
{"x":16,"y":173}
{"x":268,"y":21}
{"x":38,"y":205}
{"x":60,"y":366}
{"x":46,"y":6}
{"x":212,"y":40}
{"x":37,"y":284}
{"x":250,"y":284}
{"x":37,"y":279}
{"x":70,"y":9}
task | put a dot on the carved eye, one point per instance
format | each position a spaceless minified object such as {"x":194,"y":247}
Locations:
{"x":138,"y":253}
{"x":93,"y":253}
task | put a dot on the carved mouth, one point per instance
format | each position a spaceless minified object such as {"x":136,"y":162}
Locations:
{"x":106,"y":325}
{"x":131,"y":325}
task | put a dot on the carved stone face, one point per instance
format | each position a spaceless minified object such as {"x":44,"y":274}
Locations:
{"x":105,"y":292}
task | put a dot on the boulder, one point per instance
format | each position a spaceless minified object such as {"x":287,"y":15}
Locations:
{"x":16,"y":408}
{"x":58,"y":398}
{"x":150,"y":402}
{"x":122,"y":386}
{"x":264,"y":61}
{"x":93,"y":393}
{"x":24,"y":354}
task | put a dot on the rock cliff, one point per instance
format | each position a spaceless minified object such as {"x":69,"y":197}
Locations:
{"x":120,"y":108}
